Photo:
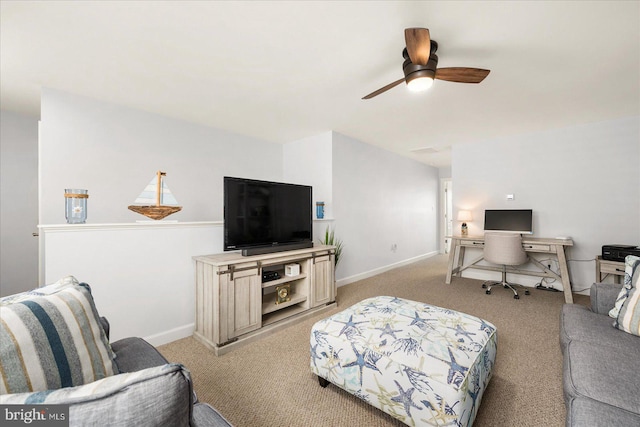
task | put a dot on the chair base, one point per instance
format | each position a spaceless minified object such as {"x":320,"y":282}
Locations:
{"x":488,"y":284}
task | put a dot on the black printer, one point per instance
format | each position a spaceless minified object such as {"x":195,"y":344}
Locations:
{"x":619,"y":252}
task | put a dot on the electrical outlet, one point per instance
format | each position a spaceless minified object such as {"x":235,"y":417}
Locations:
{"x":394,"y":247}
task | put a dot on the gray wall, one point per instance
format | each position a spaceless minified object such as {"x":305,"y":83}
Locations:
{"x":18,"y":202}
{"x":381,"y":199}
{"x":114,"y":151}
{"x":580,"y":182}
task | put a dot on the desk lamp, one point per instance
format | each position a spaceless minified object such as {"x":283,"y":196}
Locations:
{"x":464,"y":216}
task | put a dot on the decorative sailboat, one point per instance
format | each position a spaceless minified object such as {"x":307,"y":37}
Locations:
{"x":156,"y":192}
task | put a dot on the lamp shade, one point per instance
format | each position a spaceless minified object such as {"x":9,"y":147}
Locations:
{"x":464,"y":216}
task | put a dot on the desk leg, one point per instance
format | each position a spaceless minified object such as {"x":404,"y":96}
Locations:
{"x":452,"y":257}
{"x":564,"y":273}
{"x":598,"y":272}
{"x":461,"y":252}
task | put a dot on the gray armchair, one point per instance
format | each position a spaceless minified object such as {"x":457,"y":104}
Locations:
{"x":135,"y":384}
{"x":134,"y":355}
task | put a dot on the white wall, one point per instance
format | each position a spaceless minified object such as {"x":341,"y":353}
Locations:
{"x":308,"y":161}
{"x":141,"y":275}
{"x":580,"y":182}
{"x":18,"y":202}
{"x":114,"y":151}
{"x":381,"y":199}
{"x":444,"y":172}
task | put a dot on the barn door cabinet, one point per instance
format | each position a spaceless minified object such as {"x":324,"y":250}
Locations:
{"x":234,"y":305}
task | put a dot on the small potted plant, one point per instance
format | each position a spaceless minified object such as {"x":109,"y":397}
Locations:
{"x":330,"y":239}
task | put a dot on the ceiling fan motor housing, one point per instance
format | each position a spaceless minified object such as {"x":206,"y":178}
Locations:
{"x":414,"y":71}
{"x":419,"y":75}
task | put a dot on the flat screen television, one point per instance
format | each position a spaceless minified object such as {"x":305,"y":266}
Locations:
{"x":509,"y":220}
{"x":262,"y":216}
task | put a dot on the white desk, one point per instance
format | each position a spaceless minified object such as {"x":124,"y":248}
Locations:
{"x":531,"y":244}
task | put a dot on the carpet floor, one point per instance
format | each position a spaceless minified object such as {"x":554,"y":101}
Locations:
{"x":268,"y":382}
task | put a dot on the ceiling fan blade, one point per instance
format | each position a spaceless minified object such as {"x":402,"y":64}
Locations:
{"x":462,"y":74}
{"x":418,"y":45}
{"x":384,"y":89}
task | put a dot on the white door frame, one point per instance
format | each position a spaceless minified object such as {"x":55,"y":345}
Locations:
{"x":446,"y":214}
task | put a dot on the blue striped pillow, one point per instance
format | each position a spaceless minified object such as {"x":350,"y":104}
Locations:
{"x":52,"y":338}
{"x":628,"y":319}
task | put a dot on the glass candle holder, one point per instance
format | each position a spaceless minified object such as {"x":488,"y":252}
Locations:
{"x":75,"y":201}
{"x":319,"y":210}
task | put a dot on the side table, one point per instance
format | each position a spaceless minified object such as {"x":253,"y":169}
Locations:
{"x":605,"y":267}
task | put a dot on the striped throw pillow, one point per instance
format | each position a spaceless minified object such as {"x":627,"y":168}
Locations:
{"x":52,"y":338}
{"x":629,"y":317}
{"x":631,"y":264}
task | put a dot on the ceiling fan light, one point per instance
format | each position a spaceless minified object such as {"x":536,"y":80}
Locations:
{"x":419,"y":84}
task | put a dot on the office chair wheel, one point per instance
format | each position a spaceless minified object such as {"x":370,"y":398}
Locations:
{"x":484,"y":286}
{"x":516,"y":297}
{"x":527,"y":293}
{"x":488,"y":292}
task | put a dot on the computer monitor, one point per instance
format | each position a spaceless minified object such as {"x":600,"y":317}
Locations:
{"x":509,"y":220}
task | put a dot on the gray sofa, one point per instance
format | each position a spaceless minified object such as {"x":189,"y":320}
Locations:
{"x":601,"y":376}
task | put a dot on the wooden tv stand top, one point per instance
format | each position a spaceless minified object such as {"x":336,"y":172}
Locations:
{"x":227,"y":258}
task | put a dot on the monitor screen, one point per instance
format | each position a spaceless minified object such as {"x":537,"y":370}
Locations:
{"x":509,"y":220}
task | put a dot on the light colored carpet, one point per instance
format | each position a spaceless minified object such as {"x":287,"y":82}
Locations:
{"x":269,"y":383}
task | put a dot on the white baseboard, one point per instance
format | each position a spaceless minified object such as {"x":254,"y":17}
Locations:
{"x":171,"y":335}
{"x":376,"y":271}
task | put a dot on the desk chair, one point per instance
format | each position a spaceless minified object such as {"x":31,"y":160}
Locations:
{"x":504,"y":249}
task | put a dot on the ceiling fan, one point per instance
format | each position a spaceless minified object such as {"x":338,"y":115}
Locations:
{"x":420,"y":62}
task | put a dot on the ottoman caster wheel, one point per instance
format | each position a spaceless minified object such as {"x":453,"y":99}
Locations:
{"x":516,"y":297}
{"x":488,"y":292}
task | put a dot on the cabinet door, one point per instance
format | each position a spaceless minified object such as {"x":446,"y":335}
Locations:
{"x":322,"y":281}
{"x":244,"y":299}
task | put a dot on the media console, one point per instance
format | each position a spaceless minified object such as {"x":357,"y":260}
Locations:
{"x":235,"y":306}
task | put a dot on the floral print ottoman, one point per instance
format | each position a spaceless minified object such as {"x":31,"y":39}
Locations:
{"x":421,"y":364}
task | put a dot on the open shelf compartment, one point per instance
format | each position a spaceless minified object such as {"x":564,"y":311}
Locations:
{"x":283,"y":279}
{"x":269,"y":302}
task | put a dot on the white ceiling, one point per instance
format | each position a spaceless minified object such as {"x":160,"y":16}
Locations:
{"x":281,"y":71}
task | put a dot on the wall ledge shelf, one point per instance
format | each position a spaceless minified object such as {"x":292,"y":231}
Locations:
{"x":142,"y":225}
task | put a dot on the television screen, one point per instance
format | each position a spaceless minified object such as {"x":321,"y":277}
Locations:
{"x":262,"y":216}
{"x":513,"y":220}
